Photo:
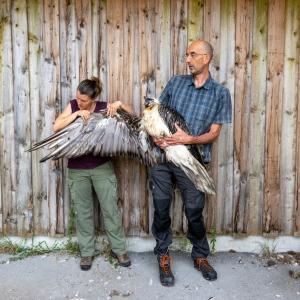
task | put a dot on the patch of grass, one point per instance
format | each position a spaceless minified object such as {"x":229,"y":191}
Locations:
{"x":213,"y":240}
{"x":113,"y":261}
{"x":268,"y":251}
{"x":71,"y":247}
{"x":105,"y":248}
{"x":7,"y":246}
{"x":21,"y":251}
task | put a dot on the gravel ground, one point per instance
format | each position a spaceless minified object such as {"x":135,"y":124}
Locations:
{"x":241,"y":276}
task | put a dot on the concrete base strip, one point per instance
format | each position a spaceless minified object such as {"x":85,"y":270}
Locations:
{"x":250,"y":244}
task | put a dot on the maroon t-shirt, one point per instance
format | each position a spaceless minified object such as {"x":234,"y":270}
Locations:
{"x":88,"y":161}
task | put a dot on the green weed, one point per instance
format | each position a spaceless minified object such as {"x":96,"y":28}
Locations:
{"x":267,"y":250}
{"x":213,"y":240}
{"x":21,"y":251}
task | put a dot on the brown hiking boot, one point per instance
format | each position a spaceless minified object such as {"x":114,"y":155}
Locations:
{"x":165,"y":273}
{"x":86,"y":263}
{"x":123,"y":259}
{"x":202,"y":265}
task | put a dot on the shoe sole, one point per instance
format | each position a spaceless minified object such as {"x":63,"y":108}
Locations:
{"x":210,"y":279}
{"x":85,"y":268}
{"x":167,"y":284}
{"x":207,"y":278}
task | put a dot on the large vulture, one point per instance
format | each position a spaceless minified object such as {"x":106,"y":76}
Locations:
{"x":129,"y":135}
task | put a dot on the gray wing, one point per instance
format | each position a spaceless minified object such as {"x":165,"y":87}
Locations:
{"x":105,"y":136}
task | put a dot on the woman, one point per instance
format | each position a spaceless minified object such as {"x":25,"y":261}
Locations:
{"x":87,"y":172}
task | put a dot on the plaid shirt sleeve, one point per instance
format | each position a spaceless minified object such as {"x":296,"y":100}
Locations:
{"x":166,"y":94}
{"x":225,"y":110}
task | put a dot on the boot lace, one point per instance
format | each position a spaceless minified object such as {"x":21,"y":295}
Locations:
{"x":203,"y":262}
{"x":85,"y":260}
{"x":165,"y":264}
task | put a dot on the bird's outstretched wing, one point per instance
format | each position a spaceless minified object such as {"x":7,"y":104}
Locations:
{"x":105,"y":136}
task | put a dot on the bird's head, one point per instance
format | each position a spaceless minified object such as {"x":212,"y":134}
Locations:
{"x":150,"y":102}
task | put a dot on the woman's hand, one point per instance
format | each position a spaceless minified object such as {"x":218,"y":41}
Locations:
{"x":112,"y":108}
{"x":84,"y":114}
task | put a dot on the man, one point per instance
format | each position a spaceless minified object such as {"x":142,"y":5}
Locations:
{"x":205,"y":106}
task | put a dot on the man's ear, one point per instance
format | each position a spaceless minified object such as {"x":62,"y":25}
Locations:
{"x":208,"y":58}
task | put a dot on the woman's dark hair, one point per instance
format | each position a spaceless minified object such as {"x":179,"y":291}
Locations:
{"x":90,"y":87}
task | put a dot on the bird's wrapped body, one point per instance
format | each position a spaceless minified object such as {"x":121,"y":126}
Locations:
{"x":129,"y":135}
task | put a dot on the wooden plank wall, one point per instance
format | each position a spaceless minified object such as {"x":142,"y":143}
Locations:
{"x":48,"y":46}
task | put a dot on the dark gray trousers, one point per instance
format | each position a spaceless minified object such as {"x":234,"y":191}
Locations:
{"x":162,"y":179}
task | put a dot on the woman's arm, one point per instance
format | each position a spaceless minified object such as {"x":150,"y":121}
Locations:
{"x":67,"y":117}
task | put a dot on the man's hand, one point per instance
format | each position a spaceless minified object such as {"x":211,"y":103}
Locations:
{"x":160,"y":142}
{"x":180,"y":137}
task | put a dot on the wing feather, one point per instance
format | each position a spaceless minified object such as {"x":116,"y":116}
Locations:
{"x":101,"y":135}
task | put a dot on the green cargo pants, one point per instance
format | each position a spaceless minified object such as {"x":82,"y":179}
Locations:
{"x":104,"y":181}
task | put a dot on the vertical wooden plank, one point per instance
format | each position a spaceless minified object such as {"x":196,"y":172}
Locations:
{"x":64,"y":26}
{"x":72,"y":48}
{"x":69,"y":72}
{"x":289,"y":117}
{"x":195,"y":20}
{"x":115,"y":46}
{"x":7,"y":142}
{"x":95,"y":37}
{"x":297,"y":185}
{"x":100,"y":59}
{"x":149,"y":37}
{"x":3,"y":26}
{"x":225,"y":141}
{"x":39,"y":185}
{"x":103,"y":49}
{"x":244,"y":17}
{"x":23,"y":213}
{"x":65,"y":92}
{"x":179,"y":22}
{"x":163,"y":49}
{"x":212,"y":35}
{"x":257,"y":118}
{"x":272,"y":222}
{"x":163,"y":74}
{"x":50,"y":93}
{"x":115,"y":35}
{"x":84,"y":38}
{"x":131,"y":181}
{"x":194,"y":31}
{"x":212,"y":12}
{"x":146,"y":57}
{"x":178,"y":36}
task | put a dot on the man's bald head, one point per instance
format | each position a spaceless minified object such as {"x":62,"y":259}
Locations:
{"x":204,"y":47}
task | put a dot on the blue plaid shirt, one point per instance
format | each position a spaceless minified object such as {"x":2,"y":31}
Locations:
{"x":200,"y":107}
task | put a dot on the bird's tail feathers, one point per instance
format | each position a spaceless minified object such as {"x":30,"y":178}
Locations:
{"x":196,"y":172}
